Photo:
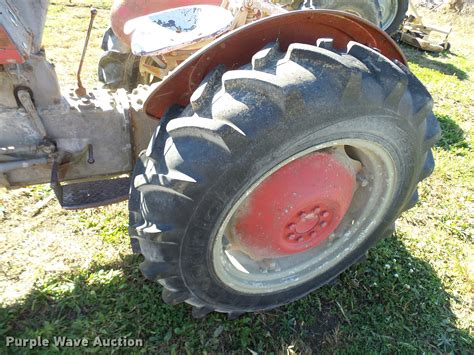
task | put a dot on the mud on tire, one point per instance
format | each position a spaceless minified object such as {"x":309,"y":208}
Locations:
{"x":242,"y":123}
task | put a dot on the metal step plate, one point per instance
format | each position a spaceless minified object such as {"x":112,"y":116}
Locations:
{"x":95,"y":194}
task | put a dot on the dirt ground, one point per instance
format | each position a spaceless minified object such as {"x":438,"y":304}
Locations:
{"x":38,"y":239}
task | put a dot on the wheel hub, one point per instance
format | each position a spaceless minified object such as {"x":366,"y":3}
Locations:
{"x":296,"y":208}
{"x":309,"y":223}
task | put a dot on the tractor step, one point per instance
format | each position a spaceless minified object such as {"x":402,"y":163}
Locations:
{"x":92,"y":194}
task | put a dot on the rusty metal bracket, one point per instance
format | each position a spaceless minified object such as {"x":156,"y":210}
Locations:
{"x":24,"y":96}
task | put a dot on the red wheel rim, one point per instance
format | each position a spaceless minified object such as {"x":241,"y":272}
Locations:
{"x":296,"y":208}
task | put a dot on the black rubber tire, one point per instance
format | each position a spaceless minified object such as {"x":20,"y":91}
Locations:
{"x":397,"y":21}
{"x":368,"y":10}
{"x":241,"y":123}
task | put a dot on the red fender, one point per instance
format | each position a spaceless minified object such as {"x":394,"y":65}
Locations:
{"x":124,"y":10}
{"x":237,"y":47}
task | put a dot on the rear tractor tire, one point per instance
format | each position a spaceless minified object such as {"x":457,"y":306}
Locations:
{"x":279,"y":176}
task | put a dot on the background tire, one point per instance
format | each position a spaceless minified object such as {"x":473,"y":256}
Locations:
{"x":393,"y":14}
{"x":368,"y":10}
{"x":241,"y":124}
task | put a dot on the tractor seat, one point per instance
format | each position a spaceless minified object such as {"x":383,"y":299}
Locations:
{"x":166,"y":31}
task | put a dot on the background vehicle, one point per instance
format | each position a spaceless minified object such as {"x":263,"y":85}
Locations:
{"x":283,"y":149}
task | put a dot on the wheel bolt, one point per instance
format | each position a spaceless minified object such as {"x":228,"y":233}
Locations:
{"x":324,"y":224}
{"x":291,"y":237}
{"x":325,"y":214}
{"x":292,"y":227}
{"x":300,"y":239}
{"x":362,"y":180}
{"x":316,"y":210}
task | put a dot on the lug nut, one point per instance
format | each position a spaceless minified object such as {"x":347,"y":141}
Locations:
{"x":291,"y":237}
{"x":362,"y":180}
{"x":325,"y":214}
{"x":324,"y":224}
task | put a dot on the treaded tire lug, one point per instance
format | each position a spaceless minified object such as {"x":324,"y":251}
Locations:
{"x":268,"y":54}
{"x":234,"y":315}
{"x":201,"y":312}
{"x":432,"y":132}
{"x":201,"y":98}
{"x":391,"y":78}
{"x":412,"y":201}
{"x":326,"y":43}
{"x":428,"y":166}
{"x":174,"y":298}
{"x":157,"y":270}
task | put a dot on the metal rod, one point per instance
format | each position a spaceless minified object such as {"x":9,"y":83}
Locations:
{"x":26,"y":149}
{"x":22,"y":164}
{"x":81,"y":91}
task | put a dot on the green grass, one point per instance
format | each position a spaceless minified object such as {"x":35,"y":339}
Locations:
{"x":413,"y":295}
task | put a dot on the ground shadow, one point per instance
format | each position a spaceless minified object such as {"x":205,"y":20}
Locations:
{"x":453,"y":136}
{"x":429,"y":60}
{"x":391,"y":303}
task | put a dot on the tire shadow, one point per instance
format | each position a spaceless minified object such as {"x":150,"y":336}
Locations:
{"x":369,"y":308}
{"x":453,"y":137}
{"x":391,"y":303}
{"x":429,"y":60}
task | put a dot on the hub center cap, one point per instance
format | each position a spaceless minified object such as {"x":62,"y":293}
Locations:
{"x":306,"y":224}
{"x":305,"y":221}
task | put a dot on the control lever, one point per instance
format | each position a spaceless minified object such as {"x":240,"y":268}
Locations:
{"x":81,"y":91}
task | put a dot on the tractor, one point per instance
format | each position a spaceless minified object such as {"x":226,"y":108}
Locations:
{"x":263,"y":150}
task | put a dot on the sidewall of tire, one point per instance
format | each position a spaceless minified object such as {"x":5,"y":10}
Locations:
{"x":397,"y":21}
